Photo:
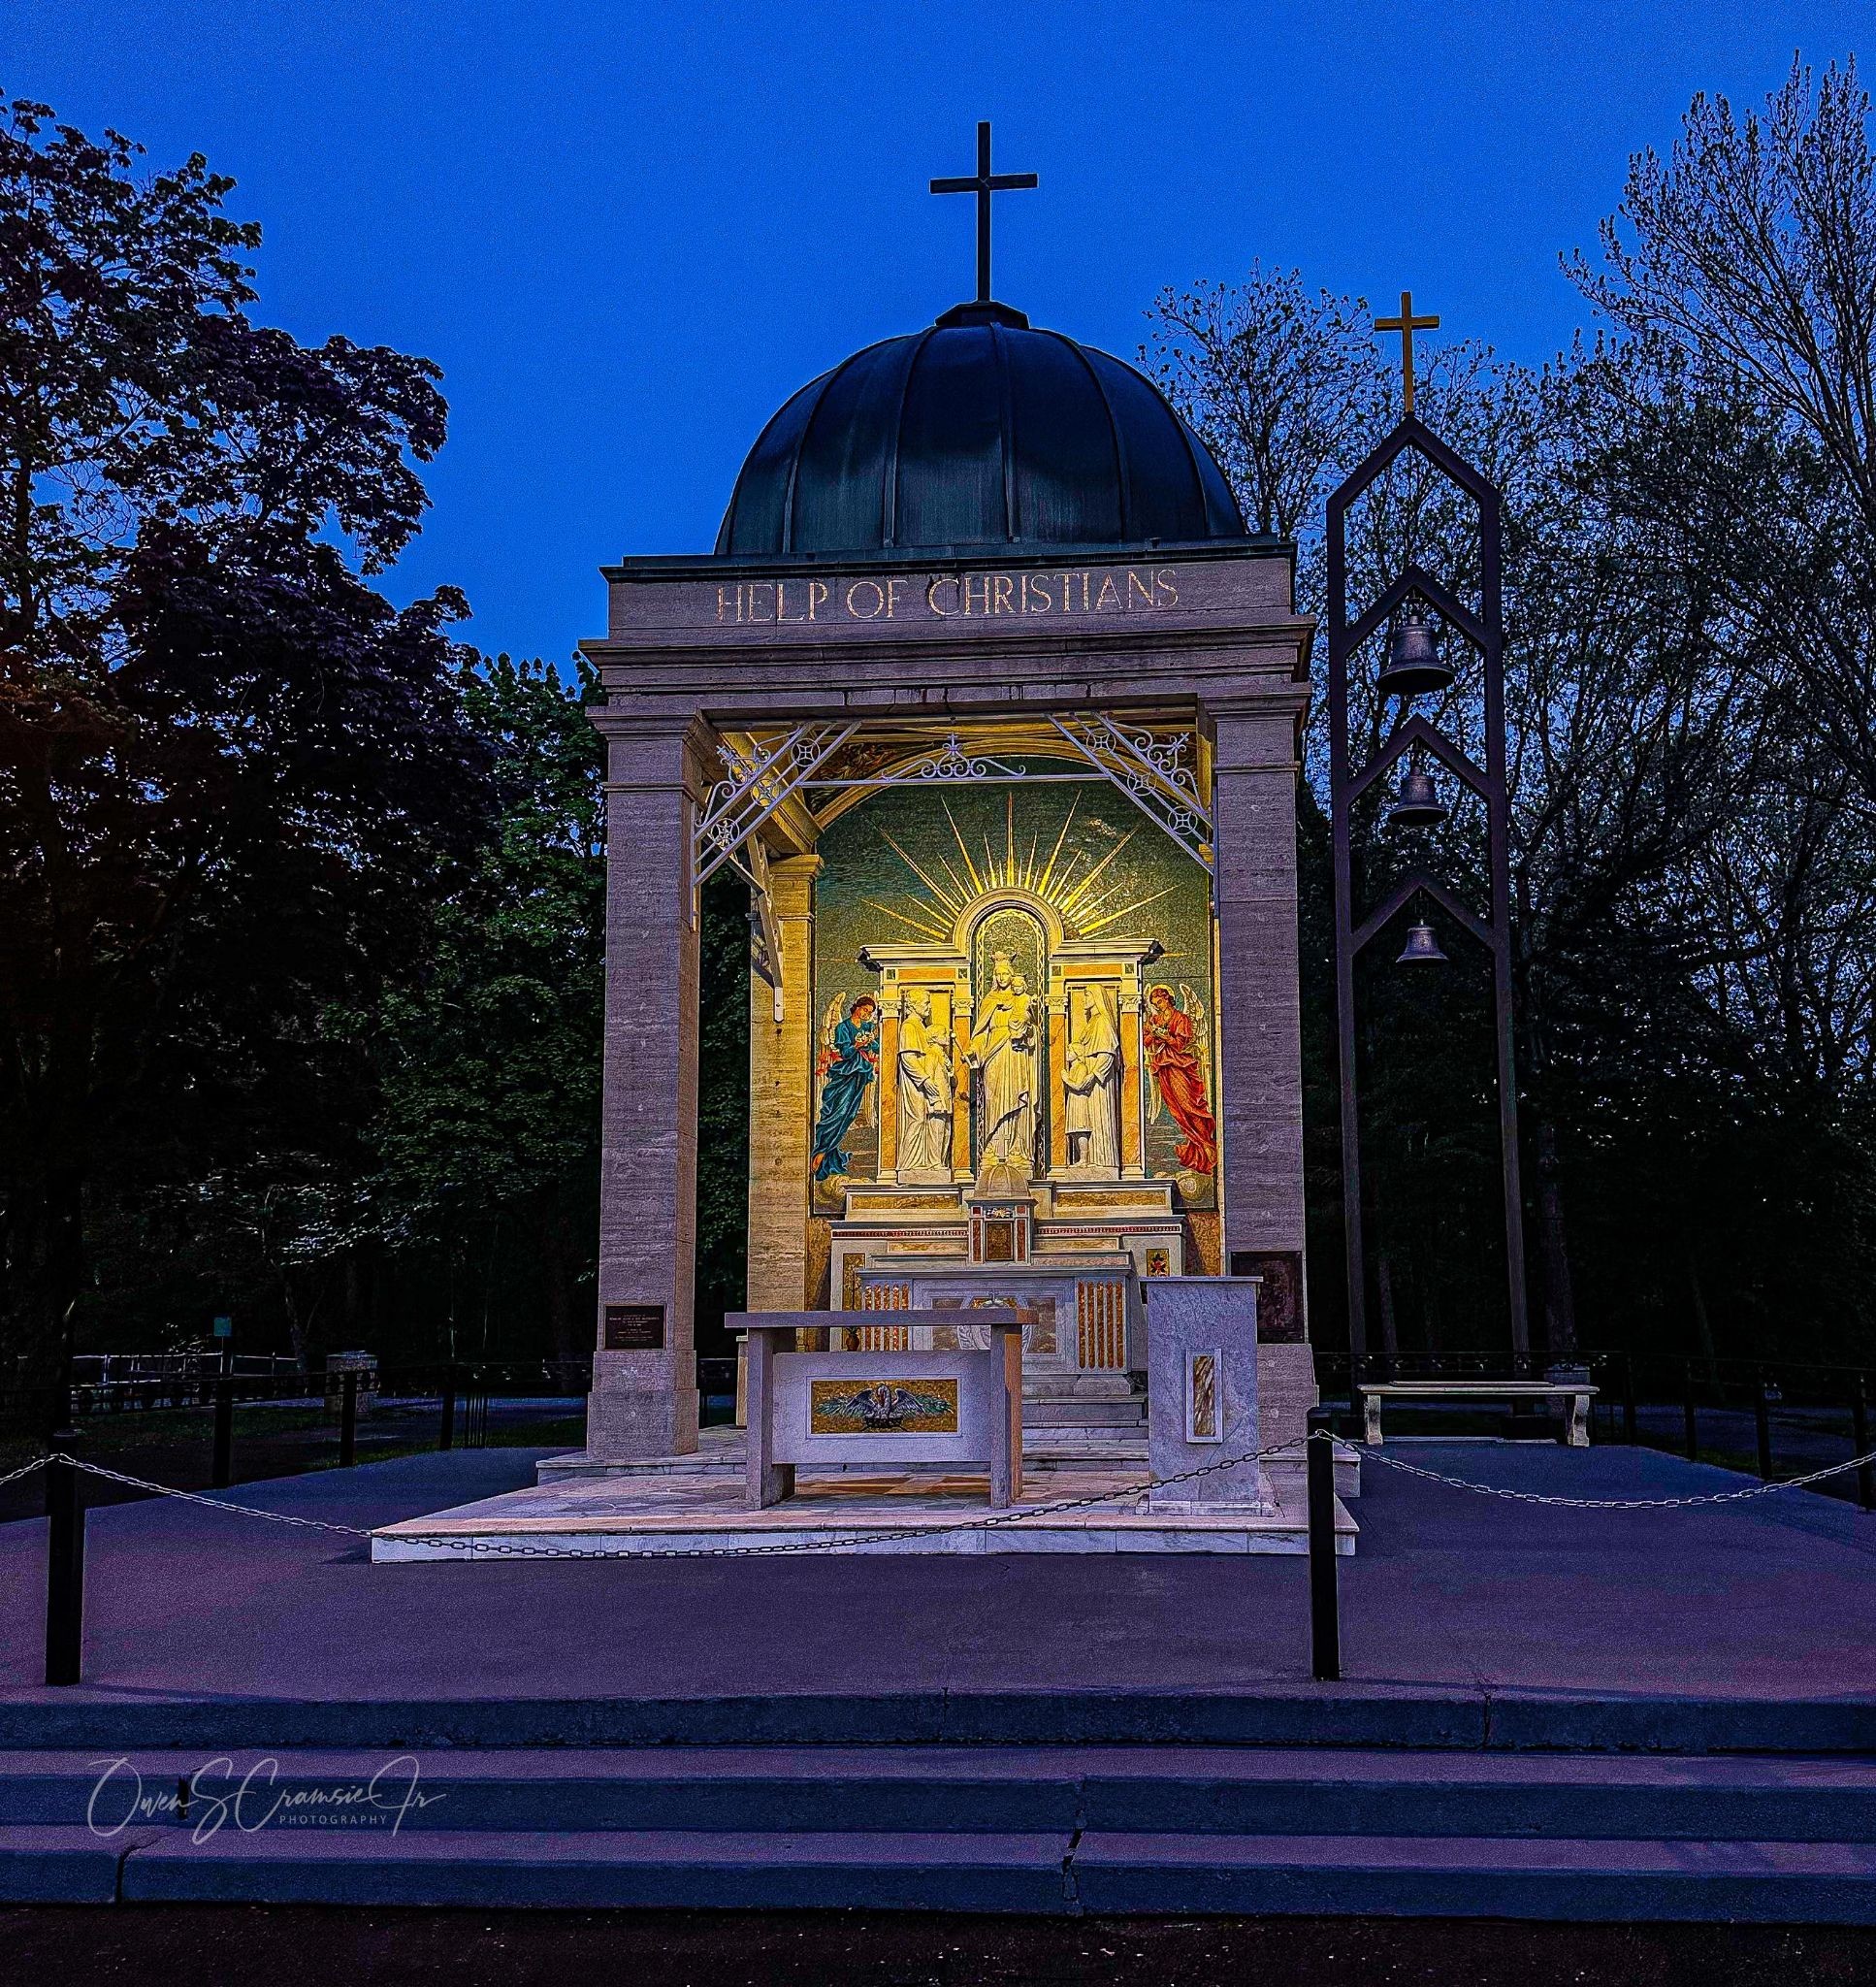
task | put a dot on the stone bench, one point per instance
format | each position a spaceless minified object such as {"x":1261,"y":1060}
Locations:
{"x":841,"y":1409}
{"x":1573,"y":1396}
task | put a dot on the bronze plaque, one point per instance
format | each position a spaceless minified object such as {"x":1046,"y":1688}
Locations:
{"x":1280,"y":1303}
{"x":634,"y":1327}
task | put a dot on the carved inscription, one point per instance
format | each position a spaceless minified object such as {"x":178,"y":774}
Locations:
{"x":948,"y":596}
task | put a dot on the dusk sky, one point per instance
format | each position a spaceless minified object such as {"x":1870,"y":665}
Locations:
{"x":627,"y":233}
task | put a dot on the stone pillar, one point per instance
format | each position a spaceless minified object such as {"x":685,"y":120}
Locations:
{"x":886,"y":1091}
{"x":644,"y":1399}
{"x":1056,"y":1049}
{"x":1260,"y":1114}
{"x":780,"y":1099}
{"x":964,"y":1082}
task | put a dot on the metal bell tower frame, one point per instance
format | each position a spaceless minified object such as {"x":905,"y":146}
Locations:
{"x":1485,"y":631}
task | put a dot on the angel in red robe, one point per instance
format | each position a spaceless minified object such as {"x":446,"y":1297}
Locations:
{"x":1173,"y":1057}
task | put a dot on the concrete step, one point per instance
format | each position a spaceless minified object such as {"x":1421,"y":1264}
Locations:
{"x":1394,"y":1717}
{"x":1161,"y":1790}
{"x":1459,"y":1877}
{"x":1038,"y":1873}
{"x":665,"y":1869}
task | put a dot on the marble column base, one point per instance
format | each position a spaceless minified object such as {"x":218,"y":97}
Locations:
{"x":640,"y":1409}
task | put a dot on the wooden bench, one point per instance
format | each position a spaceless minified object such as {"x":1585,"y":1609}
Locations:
{"x":1578,"y":1394}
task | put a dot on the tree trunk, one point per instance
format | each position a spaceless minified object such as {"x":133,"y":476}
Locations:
{"x":1702,"y":1323}
{"x":556,"y":1255}
{"x":1384,"y":1304}
{"x":1559,"y":1299}
{"x":45,"y":1272}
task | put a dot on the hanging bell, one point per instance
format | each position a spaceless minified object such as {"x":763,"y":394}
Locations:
{"x":1422,"y":948}
{"x":1413,"y":665}
{"x":1418,"y":803}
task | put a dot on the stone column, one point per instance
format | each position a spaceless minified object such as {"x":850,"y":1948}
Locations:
{"x":644,"y":1399}
{"x":1260,"y":1114}
{"x":1133,"y":1123}
{"x":780,"y":1099}
{"x":1057,"y":1054}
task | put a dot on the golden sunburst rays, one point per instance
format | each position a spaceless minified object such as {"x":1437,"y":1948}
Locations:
{"x":1073,"y":892}
{"x":977,"y":886}
{"x":922,"y":926}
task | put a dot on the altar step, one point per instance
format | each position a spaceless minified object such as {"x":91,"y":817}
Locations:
{"x":1064,"y":1831}
{"x":1081,"y":1400}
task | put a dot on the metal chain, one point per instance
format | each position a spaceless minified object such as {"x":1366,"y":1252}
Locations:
{"x":506,"y":1549}
{"x":511,"y":1549}
{"x":279,"y":1517}
{"x":1377,"y":1455}
{"x":38,"y":1463}
{"x":515,"y":1549}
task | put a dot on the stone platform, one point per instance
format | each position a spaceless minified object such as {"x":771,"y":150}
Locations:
{"x":1046,"y":1452}
{"x":664,"y":1506}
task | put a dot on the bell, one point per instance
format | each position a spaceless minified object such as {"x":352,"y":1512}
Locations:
{"x":1418,"y":805}
{"x":1413,"y":665}
{"x":1422,"y":948}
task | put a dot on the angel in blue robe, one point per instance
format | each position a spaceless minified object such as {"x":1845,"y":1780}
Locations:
{"x":848,"y":1062}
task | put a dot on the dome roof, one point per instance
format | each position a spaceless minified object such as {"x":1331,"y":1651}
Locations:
{"x":976,"y":431}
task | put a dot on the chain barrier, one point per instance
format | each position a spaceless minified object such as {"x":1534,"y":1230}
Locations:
{"x":38,"y":1463}
{"x":1377,"y":1455}
{"x":517,"y":1550}
{"x":279,"y":1517}
{"x":511,"y":1549}
{"x":506,"y":1549}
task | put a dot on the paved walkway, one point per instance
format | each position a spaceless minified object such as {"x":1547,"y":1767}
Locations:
{"x":1772,"y":1598}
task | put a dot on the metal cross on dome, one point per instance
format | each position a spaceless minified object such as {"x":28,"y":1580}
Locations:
{"x":1406,"y":324}
{"x":983,"y":185}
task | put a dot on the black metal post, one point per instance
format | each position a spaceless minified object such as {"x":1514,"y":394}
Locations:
{"x":1691,"y":1429}
{"x":223,"y":1472}
{"x":349,"y":1418}
{"x":1859,"y":1444}
{"x":447,"y":1434}
{"x":1325,"y":1628}
{"x":1629,"y":1398}
{"x":64,"y":1561}
{"x":1762,"y":1416}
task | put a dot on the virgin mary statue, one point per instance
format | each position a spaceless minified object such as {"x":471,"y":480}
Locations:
{"x":1003,"y":1051}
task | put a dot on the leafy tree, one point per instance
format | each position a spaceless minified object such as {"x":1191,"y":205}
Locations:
{"x":231,"y":774}
{"x":488,"y":1067}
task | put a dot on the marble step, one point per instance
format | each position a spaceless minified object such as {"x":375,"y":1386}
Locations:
{"x":1074,"y":1413}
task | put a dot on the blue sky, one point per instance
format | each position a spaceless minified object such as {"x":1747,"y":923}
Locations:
{"x":627,"y":232}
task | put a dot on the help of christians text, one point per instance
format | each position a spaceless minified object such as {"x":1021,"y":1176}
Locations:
{"x":1084,"y":591}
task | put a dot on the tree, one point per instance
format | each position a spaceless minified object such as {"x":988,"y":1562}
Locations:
{"x":231,"y":774}
{"x":488,"y":1067}
{"x":1691,"y":883}
{"x":1743,"y":268}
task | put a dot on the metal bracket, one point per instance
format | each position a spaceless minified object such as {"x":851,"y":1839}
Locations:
{"x":1151,"y":771}
{"x":764,"y":926}
{"x":758,"y":785}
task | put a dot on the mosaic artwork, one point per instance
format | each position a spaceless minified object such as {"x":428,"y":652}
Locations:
{"x":993,"y":876}
{"x":1202,"y":1416}
{"x":882,"y":1407}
